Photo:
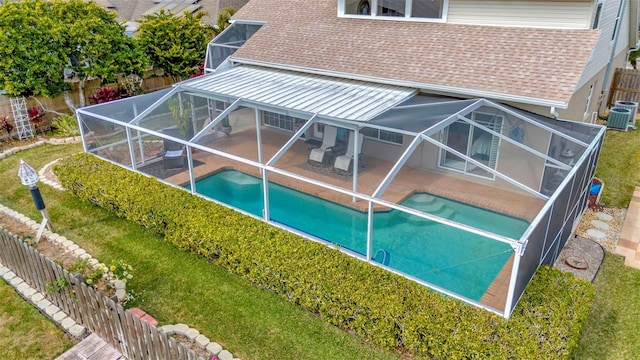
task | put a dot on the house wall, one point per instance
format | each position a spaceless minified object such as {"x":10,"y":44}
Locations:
{"x":602,"y":51}
{"x":578,"y":101}
{"x":513,"y":161}
{"x":520,"y":164}
{"x":572,"y":14}
{"x":383,"y":150}
{"x":634,"y":5}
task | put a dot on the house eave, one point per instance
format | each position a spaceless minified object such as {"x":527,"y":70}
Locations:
{"x":418,"y":85}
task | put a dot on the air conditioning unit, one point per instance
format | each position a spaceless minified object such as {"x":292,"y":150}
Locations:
{"x":618,"y":118}
{"x":630,"y":105}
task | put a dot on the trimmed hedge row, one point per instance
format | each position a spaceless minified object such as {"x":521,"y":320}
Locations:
{"x":385,"y":309}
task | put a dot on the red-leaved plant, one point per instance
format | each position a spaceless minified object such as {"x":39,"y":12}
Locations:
{"x":200,"y":70}
{"x":105,"y":94}
{"x":36,"y":117}
{"x":6,"y":125}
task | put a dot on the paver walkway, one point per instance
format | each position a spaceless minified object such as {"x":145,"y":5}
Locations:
{"x":91,"y":348}
{"x":629,"y":242}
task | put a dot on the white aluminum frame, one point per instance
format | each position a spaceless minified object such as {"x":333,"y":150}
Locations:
{"x":518,"y":245}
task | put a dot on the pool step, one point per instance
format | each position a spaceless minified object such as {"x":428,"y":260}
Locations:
{"x":442,"y":211}
{"x":446,"y":213}
{"x":422,"y":198}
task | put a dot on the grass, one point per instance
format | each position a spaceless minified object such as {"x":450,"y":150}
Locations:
{"x":24,"y":332}
{"x":177,"y":287}
{"x":612,"y":328}
{"x":619,"y":167}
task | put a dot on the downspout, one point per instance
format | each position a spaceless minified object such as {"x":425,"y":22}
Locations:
{"x":607,"y":73}
{"x":554,"y":113}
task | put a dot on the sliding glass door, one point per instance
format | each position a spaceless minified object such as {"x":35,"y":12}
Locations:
{"x":474,"y":142}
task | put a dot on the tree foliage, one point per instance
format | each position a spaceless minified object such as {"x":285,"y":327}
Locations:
{"x":97,"y":46}
{"x":32,"y":49}
{"x":40,"y":40}
{"x":176,"y":45}
{"x":223,"y":19}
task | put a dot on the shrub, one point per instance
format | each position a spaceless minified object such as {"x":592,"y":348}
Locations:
{"x":5,"y":124}
{"x":104,"y":94}
{"x":66,"y":125}
{"x":36,"y":117}
{"x":385,"y":309}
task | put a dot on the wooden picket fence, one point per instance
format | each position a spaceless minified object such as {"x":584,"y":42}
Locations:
{"x":135,"y":339}
{"x":625,"y":86}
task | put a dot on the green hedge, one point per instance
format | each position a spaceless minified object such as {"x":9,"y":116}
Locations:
{"x":385,"y":309}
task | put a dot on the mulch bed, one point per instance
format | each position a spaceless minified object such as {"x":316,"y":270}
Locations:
{"x":47,"y":248}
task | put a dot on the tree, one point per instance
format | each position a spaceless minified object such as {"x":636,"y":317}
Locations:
{"x":40,"y":40}
{"x":98,"y":46}
{"x":32,"y":50}
{"x":223,"y":19}
{"x":176,"y":45}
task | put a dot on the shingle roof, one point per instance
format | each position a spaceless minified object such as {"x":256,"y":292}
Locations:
{"x":543,"y":64}
{"x":134,"y":9}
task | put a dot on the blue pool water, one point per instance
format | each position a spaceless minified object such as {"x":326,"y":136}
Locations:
{"x":447,"y":257}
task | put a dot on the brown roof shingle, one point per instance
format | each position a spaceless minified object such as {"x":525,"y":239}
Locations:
{"x":537,"y":63}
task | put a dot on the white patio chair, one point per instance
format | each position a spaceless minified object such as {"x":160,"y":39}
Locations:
{"x":321,"y":156}
{"x":344,"y":163}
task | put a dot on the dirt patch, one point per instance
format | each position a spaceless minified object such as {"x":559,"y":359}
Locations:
{"x":49,"y":249}
{"x":16,"y":227}
{"x":191,"y":345}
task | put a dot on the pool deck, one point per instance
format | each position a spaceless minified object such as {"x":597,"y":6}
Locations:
{"x":408,"y":181}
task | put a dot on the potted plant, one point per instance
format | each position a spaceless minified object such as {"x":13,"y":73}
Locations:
{"x":225,"y":126}
{"x":180,"y":115}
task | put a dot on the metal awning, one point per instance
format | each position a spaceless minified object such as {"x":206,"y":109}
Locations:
{"x":313,"y":94}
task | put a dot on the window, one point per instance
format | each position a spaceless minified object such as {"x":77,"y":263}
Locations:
{"x":397,"y":9}
{"x":586,"y":108}
{"x":383,"y":135}
{"x":596,"y":18}
{"x":279,"y":121}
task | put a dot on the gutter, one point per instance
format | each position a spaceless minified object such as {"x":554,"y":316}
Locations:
{"x":410,"y":84}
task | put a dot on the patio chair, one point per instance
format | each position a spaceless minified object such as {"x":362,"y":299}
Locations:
{"x":344,"y":163}
{"x":173,"y":155}
{"x":321,"y":156}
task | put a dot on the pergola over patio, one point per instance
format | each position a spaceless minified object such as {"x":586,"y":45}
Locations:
{"x":467,"y":197}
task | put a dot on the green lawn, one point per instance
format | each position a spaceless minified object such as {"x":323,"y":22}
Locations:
{"x":178,"y":287}
{"x":619,"y":167}
{"x":612,"y":330}
{"x":24,"y":332}
{"x":613,"y":327}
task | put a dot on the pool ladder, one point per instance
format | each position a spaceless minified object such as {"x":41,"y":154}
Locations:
{"x":385,"y":256}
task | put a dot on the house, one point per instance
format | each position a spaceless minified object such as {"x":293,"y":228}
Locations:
{"x":426,"y":145}
{"x":134,"y":10}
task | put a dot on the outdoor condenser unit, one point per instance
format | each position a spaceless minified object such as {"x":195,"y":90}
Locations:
{"x":618,"y":118}
{"x":631,"y":106}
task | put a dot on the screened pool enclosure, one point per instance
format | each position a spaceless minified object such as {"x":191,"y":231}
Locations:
{"x":467,"y":197}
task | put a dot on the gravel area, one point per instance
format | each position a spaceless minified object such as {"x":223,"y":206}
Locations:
{"x":583,"y":254}
{"x":615,"y":226}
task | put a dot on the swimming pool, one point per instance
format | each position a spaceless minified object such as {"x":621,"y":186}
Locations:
{"x":453,"y":259}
